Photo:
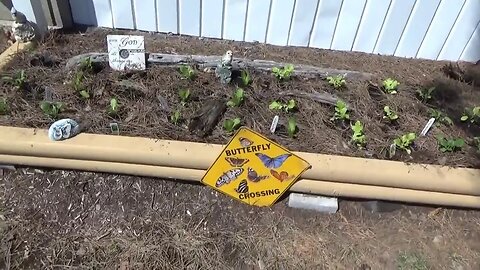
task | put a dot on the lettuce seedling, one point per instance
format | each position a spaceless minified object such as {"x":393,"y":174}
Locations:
{"x":449,"y":145}
{"x":176,"y":117}
{"x":472,"y":114}
{"x":113,"y":107}
{"x":341,"y":111}
{"x":284,"y":73}
{"x":425,"y":94}
{"x":336,"y":81}
{"x":441,"y":117}
{"x":52,"y":109}
{"x":390,"y":86}
{"x":237,"y":98}
{"x":405,"y":141}
{"x":187,"y":72}
{"x":292,"y":127}
{"x":230,"y":125}
{"x":389,"y":114}
{"x":246,"y":79}
{"x":184,"y":95}
{"x":358,"y":136}
{"x":290,"y":106}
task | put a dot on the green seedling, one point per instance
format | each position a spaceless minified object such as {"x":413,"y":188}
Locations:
{"x":230,"y":125}
{"x":52,"y":109}
{"x":358,"y":136}
{"x":284,"y":73}
{"x":425,"y":94}
{"x":336,"y":81}
{"x":187,"y":72}
{"x":79,"y":86}
{"x":113,"y":107}
{"x":246,"y":79}
{"x":237,"y":98}
{"x":341,"y":111}
{"x":184,"y":95}
{"x":405,"y":141}
{"x":450,"y":145}
{"x":19,"y":79}
{"x":176,"y":117}
{"x":441,"y":117}
{"x":389,"y":114}
{"x":3,"y":106}
{"x":276,"y":105}
{"x":86,"y":65}
{"x":292,"y":127}
{"x":471,"y":114}
{"x":390,"y":86}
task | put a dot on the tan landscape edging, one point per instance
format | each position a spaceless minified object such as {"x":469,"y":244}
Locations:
{"x":15,"y":48}
{"x":199,"y":156}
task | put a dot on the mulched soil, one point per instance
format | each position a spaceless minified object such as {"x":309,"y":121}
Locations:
{"x":141,"y":113}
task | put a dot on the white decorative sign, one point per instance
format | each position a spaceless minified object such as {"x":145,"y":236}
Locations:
{"x":126,"y":52}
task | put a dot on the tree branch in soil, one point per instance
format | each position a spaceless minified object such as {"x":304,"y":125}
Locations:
{"x":212,"y":61}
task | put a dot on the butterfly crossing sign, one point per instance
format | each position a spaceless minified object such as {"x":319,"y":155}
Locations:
{"x":254,"y":170}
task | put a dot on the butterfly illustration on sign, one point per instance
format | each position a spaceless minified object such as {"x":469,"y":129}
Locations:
{"x":236,"y":162}
{"x":245,"y":142}
{"x":228,"y":176}
{"x":282,"y":176}
{"x":242,"y":187}
{"x":273,"y":163}
{"x":253,"y":176}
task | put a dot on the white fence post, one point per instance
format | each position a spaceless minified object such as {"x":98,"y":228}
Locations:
{"x":34,"y":12}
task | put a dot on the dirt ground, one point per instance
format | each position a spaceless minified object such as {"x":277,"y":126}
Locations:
{"x":53,"y":219}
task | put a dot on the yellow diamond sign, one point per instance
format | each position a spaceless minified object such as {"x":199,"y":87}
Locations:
{"x":254,"y":169}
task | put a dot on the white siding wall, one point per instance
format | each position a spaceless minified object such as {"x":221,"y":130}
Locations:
{"x":430,"y":29}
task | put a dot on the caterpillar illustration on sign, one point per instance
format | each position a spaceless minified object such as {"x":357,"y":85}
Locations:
{"x":242,"y":187}
{"x":228,"y":176}
{"x":253,"y":176}
{"x":273,"y":163}
{"x":282,"y":176}
{"x":245,"y":142}
{"x":237,"y":162}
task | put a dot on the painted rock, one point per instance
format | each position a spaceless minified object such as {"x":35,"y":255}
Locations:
{"x":63,"y":129}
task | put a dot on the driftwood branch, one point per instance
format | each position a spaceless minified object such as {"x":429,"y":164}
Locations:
{"x":212,"y":61}
{"x":322,"y":97}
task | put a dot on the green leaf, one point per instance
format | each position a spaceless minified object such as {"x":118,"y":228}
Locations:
{"x":290,"y":105}
{"x":230,"y":103}
{"x":464,"y":118}
{"x":245,"y":78}
{"x":114,"y":104}
{"x":275,"y":70}
{"x":184,"y":94}
{"x":275,"y":106}
{"x":358,"y":127}
{"x":84,"y":94}
{"x":292,"y":127}
{"x":459,"y":143}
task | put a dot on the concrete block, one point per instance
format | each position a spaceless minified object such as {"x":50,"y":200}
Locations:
{"x":313,"y":202}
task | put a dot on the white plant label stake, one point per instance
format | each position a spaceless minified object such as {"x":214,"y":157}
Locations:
{"x":126,"y":52}
{"x":273,"y":127}
{"x":427,"y":126}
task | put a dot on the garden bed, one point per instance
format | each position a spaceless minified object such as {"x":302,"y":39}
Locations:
{"x":148,"y":100}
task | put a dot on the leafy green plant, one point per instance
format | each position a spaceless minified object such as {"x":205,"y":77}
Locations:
{"x":176,"y":117}
{"x":3,"y":106}
{"x":283,"y":73}
{"x":405,"y":141}
{"x":184,"y":95}
{"x":425,"y":94}
{"x":79,"y":86}
{"x":52,"y":109}
{"x":292,"y":128}
{"x":358,"y":136}
{"x":472,"y":114}
{"x":18,"y":80}
{"x":113,"y":107}
{"x":341,"y":111}
{"x":450,"y":145}
{"x":389,"y":114}
{"x":390,"y":85}
{"x":187,"y":72}
{"x":336,"y":81}
{"x":237,"y":98}
{"x":412,"y":261}
{"x":288,"y":107}
{"x":230,"y":125}
{"x":86,"y":65}
{"x":441,"y":117}
{"x":246,"y":79}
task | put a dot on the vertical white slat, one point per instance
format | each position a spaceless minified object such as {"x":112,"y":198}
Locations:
{"x":34,"y":12}
{"x":234,"y":21}
{"x":123,"y":14}
{"x":393,"y":26}
{"x":145,"y":15}
{"x":212,"y":18}
{"x":347,"y":24}
{"x":325,"y":23}
{"x":371,"y":25}
{"x":103,"y":13}
{"x":83,"y":12}
{"x":440,"y":28}
{"x":472,"y":50}
{"x":189,"y":20}
{"x":302,"y":22}
{"x":462,"y":31}
{"x":279,"y":24}
{"x":167,"y":17}
{"x":416,"y":28}
{"x":257,"y":20}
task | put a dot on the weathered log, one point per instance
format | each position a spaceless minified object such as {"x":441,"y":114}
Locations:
{"x":322,"y":97}
{"x":211,"y":61}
